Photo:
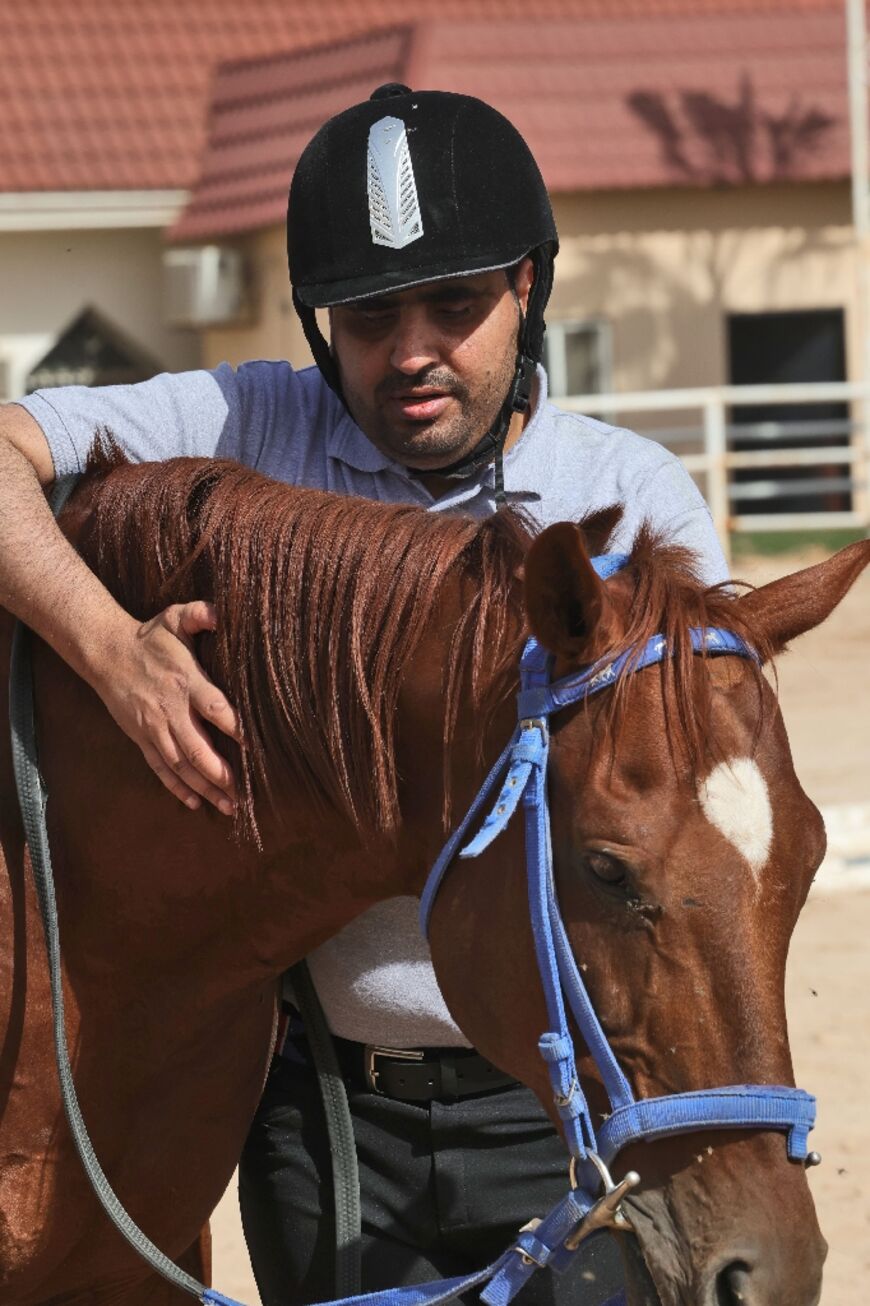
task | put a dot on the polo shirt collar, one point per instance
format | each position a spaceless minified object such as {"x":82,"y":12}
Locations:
{"x":348,"y":444}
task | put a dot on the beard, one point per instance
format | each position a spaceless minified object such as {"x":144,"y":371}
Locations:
{"x":427,"y":444}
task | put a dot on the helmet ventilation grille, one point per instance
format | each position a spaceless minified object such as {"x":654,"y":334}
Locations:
{"x":394,"y":210}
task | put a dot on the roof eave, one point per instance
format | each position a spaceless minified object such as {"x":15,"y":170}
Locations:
{"x":95,"y":209}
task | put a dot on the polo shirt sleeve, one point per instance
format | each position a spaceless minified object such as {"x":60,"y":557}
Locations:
{"x":671,"y":501}
{"x":194,"y":414}
{"x":276,"y":417}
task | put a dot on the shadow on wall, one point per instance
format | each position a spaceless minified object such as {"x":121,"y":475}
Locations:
{"x":668,"y":289}
{"x":708,"y":140}
{"x":672,"y":308}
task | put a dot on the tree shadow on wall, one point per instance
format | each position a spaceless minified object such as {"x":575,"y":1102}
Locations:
{"x":671,"y":324}
{"x":706,"y":140}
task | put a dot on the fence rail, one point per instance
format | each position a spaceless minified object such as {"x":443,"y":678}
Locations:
{"x":717,"y":459}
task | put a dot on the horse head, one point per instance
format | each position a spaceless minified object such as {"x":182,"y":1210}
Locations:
{"x":683,"y":851}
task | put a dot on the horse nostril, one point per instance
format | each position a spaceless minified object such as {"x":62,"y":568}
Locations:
{"x":732,"y":1285}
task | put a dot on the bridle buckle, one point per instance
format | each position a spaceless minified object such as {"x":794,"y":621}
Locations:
{"x":535,"y":723}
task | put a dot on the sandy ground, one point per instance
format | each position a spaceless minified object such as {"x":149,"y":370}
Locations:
{"x":826,"y":704}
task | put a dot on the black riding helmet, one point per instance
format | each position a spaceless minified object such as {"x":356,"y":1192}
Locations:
{"x":410,"y":187}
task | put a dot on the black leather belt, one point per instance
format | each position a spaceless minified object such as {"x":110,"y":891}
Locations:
{"x":409,"y":1074}
{"x":420,"y":1074}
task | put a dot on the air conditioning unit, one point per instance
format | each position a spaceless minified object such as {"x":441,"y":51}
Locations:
{"x":204,"y":286}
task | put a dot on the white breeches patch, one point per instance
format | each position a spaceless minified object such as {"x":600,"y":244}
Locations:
{"x":735,"y":799}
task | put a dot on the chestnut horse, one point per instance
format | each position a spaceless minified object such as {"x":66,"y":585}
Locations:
{"x":371,"y":651}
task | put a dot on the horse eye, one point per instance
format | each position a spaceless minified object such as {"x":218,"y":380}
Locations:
{"x":605,"y":867}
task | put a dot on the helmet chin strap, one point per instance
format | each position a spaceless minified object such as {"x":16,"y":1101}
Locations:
{"x":490,"y":449}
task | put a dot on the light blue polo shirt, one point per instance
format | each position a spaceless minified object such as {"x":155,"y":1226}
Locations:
{"x":375,"y":979}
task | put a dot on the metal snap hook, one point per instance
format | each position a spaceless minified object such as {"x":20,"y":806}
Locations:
{"x":607,"y":1213}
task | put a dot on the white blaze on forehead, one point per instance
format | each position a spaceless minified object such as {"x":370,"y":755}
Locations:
{"x":735,"y":799}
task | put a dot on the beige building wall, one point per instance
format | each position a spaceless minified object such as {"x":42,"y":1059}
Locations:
{"x":272,"y":329}
{"x":48,"y":277}
{"x":662,"y":267}
{"x":666,"y":267}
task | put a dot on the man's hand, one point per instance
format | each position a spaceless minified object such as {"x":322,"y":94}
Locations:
{"x":159,"y":695}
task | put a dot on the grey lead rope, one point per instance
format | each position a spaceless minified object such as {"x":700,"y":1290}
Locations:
{"x":342,"y":1146}
{"x":32,"y":798}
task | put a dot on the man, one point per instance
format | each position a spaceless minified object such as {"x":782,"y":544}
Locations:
{"x":420,"y":221}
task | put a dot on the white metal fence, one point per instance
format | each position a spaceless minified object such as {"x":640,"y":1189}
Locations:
{"x":706,"y":448}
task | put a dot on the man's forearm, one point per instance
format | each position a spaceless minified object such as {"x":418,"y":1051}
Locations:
{"x":44,"y":581}
{"x":145,"y":674}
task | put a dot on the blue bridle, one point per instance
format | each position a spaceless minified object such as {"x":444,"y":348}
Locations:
{"x":521,"y":773}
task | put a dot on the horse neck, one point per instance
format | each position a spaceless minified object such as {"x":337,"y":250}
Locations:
{"x":339,"y":870}
{"x":267,"y":907}
{"x":152,"y":894}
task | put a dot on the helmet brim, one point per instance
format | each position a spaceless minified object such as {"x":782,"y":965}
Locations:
{"x":331,"y":294}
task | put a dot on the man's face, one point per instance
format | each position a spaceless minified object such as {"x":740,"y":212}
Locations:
{"x":425,"y":371}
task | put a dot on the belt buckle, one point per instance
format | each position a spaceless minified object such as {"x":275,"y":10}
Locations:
{"x":373,"y":1051}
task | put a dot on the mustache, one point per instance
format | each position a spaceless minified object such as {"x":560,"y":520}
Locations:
{"x":435,"y":378}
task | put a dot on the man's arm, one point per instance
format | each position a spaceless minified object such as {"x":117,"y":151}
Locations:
{"x":145,"y":674}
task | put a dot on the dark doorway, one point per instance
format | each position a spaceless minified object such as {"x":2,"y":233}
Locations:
{"x":782,"y":348}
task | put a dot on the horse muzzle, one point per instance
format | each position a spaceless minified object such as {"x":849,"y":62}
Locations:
{"x":744,"y":1234}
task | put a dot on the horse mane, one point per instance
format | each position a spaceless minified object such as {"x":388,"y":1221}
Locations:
{"x":323,"y":599}
{"x":666,"y":596}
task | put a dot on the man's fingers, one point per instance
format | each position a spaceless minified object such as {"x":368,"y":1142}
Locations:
{"x":170,"y":778}
{"x":197,"y":762}
{"x":162,"y":698}
{"x":207,"y":700}
{"x":196,"y":617}
{"x":184,"y":620}
{"x":190,"y":754}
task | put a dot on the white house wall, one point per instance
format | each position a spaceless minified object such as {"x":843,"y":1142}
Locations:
{"x":273,"y":330}
{"x":48,"y":277}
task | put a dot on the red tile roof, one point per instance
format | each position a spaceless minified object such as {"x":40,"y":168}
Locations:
{"x":112,"y":94}
{"x":663,"y":99}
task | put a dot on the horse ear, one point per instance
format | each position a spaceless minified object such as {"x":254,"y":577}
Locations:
{"x":567,"y":604}
{"x":797,"y":603}
{"x":598,"y":527}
